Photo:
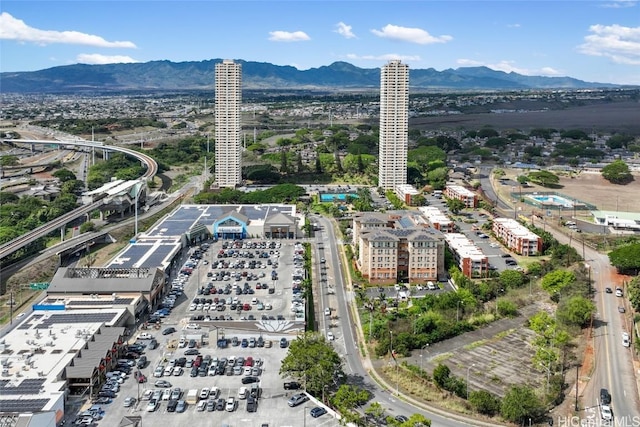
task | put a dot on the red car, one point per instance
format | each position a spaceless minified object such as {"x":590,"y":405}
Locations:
{"x":139,"y":376}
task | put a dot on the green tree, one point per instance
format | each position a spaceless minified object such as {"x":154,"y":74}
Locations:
{"x":576,"y":311}
{"x":617,"y":172}
{"x":455,"y":205}
{"x":417,"y":420}
{"x":557,"y":280}
{"x":312,"y":361}
{"x":512,"y":279}
{"x":485,"y":402}
{"x":441,"y":375}
{"x":9,"y":160}
{"x":375,"y":410}
{"x":521,"y":403}
{"x":626,"y":258}
{"x":544,"y":178}
{"x":87,"y":226}
{"x":633,"y":293}
{"x":349,"y":397}
{"x":64,"y":175}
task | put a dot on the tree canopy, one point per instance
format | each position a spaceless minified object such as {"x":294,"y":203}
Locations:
{"x":556,"y":280}
{"x":521,"y":403}
{"x":544,"y":178}
{"x":626,"y":258}
{"x":617,"y":172}
{"x":312,"y":361}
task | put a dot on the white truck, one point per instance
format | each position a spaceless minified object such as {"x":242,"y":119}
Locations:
{"x":192,"y":396}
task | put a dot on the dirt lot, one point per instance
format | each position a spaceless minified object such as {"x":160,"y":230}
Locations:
{"x":590,"y":187}
{"x":593,"y":188}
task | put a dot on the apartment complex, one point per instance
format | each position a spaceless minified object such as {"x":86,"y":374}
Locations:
{"x":228,"y":132}
{"x":438,"y":219}
{"x":517,"y":237}
{"x":396,"y":246}
{"x":468,"y":197}
{"x":469,"y":258}
{"x":394,"y":124}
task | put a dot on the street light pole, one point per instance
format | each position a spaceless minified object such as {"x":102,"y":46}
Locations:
{"x":468,"y":371}
{"x":421,"y":354}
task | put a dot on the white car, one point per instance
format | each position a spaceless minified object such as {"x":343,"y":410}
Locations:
{"x":626,"y":340}
{"x":330,"y":336}
{"x":152,"y":405}
{"x":192,"y":326}
{"x":242,"y":393}
{"x":177,"y":371}
{"x":327,"y":311}
{"x":204,"y":393}
{"x":605,"y":412}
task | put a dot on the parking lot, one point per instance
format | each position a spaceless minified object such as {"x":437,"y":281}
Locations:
{"x":197,"y":351}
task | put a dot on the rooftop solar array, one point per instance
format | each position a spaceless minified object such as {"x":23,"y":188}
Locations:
{"x":117,"y":301}
{"x":77,"y":318}
{"x":23,"y":405}
{"x":26,"y":386}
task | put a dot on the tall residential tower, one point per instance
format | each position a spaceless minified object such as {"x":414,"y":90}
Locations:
{"x":228,"y":131}
{"x":394,"y":124}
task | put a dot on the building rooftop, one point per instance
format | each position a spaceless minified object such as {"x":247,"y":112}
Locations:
{"x":464,"y":247}
{"x":516,"y":228}
{"x":34,"y":355}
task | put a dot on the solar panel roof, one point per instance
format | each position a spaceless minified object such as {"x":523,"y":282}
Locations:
{"x":26,"y":386}
{"x":23,"y":405}
{"x":77,"y":318}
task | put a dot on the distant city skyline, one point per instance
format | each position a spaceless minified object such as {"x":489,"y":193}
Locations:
{"x":594,"y":41}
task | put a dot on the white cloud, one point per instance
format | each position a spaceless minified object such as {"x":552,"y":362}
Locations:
{"x":618,"y":43}
{"x":619,"y":4}
{"x":508,"y":67}
{"x":344,"y":30}
{"x":96,"y":58}
{"x":513,"y":25}
{"x":15,"y":29}
{"x":286,"y":36}
{"x":412,"y":35}
{"x":384,"y":57}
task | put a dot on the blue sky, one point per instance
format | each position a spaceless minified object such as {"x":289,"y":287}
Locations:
{"x":596,"y":41}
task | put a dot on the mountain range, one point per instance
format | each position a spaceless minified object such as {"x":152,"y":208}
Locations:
{"x":194,"y":75}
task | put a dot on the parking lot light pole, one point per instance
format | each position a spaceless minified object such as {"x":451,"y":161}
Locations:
{"x":468,"y":370}
{"x":421,"y":354}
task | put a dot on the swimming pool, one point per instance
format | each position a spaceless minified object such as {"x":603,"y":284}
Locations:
{"x":552,"y":200}
{"x":332,"y":197}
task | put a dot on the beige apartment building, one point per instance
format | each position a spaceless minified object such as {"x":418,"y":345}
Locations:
{"x":468,"y":197}
{"x":228,"y":131}
{"x":517,"y":237}
{"x":394,"y":125}
{"x":391,"y":247}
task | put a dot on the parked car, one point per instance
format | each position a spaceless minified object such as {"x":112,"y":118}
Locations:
{"x":152,"y":405}
{"x":129,"y":402}
{"x":292,"y":385}
{"x":252,"y":404}
{"x":230,"y":405}
{"x":163,"y":384}
{"x":250,"y":380}
{"x":317,"y":412}
{"x":297,"y":399}
{"x":182,"y":406}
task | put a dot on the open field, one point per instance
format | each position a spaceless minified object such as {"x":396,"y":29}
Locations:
{"x":589,"y":187}
{"x":621,"y":117}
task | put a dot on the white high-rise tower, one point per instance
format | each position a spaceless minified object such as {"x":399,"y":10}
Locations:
{"x":228,"y":131}
{"x":394,"y":125}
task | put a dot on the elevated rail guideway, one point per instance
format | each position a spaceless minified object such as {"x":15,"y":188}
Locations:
{"x":20,"y":242}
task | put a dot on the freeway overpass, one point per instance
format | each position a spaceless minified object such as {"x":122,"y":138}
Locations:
{"x":20,"y":242}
